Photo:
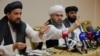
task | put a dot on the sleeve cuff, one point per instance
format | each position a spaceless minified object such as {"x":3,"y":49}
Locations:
{"x":8,"y":49}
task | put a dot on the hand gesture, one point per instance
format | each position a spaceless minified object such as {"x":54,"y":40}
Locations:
{"x":77,"y":22}
{"x":19,"y":46}
{"x":44,"y":28}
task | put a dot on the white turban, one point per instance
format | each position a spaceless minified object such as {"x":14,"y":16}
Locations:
{"x":56,"y":8}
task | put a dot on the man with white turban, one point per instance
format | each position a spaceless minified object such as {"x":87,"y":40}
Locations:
{"x":56,"y":14}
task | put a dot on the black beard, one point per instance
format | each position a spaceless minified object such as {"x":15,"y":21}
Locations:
{"x":15,"y":26}
{"x":72,"y":20}
{"x":57,"y":25}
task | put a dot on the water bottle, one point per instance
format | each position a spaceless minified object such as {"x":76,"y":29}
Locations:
{"x":17,"y":53}
{"x":44,"y":47}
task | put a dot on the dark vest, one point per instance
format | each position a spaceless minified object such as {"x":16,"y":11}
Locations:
{"x":21,"y":36}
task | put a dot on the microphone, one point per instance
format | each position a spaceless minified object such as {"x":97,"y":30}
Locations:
{"x":90,"y":32}
{"x":97,"y":36}
{"x":97,"y":33}
{"x":89,"y":35}
{"x":64,"y":36}
{"x":82,"y":37}
{"x":90,"y":29}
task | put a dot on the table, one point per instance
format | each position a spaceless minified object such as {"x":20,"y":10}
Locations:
{"x":66,"y":53}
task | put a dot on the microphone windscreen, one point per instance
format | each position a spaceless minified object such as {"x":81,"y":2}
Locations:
{"x":89,"y":35}
{"x":64,"y":34}
{"x":97,"y":34}
{"x":90,"y":29}
{"x":82,"y":36}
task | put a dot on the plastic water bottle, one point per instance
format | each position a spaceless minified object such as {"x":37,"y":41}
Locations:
{"x":17,"y":53}
{"x":44,"y":47}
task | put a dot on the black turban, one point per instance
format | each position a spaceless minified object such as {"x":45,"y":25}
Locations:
{"x":71,"y":8}
{"x":13,"y":5}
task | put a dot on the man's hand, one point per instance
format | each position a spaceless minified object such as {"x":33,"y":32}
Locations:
{"x":75,"y":25}
{"x":43,"y":29}
{"x":19,"y":46}
{"x":77,"y":22}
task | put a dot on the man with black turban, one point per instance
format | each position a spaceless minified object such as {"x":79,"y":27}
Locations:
{"x":13,"y":30}
{"x":71,"y":16}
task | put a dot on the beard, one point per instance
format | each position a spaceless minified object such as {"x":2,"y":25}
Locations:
{"x":15,"y":25}
{"x":57,"y":25}
{"x":72,"y":20}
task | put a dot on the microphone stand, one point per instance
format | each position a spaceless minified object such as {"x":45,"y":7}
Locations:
{"x":64,"y":48}
{"x":85,"y":46}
